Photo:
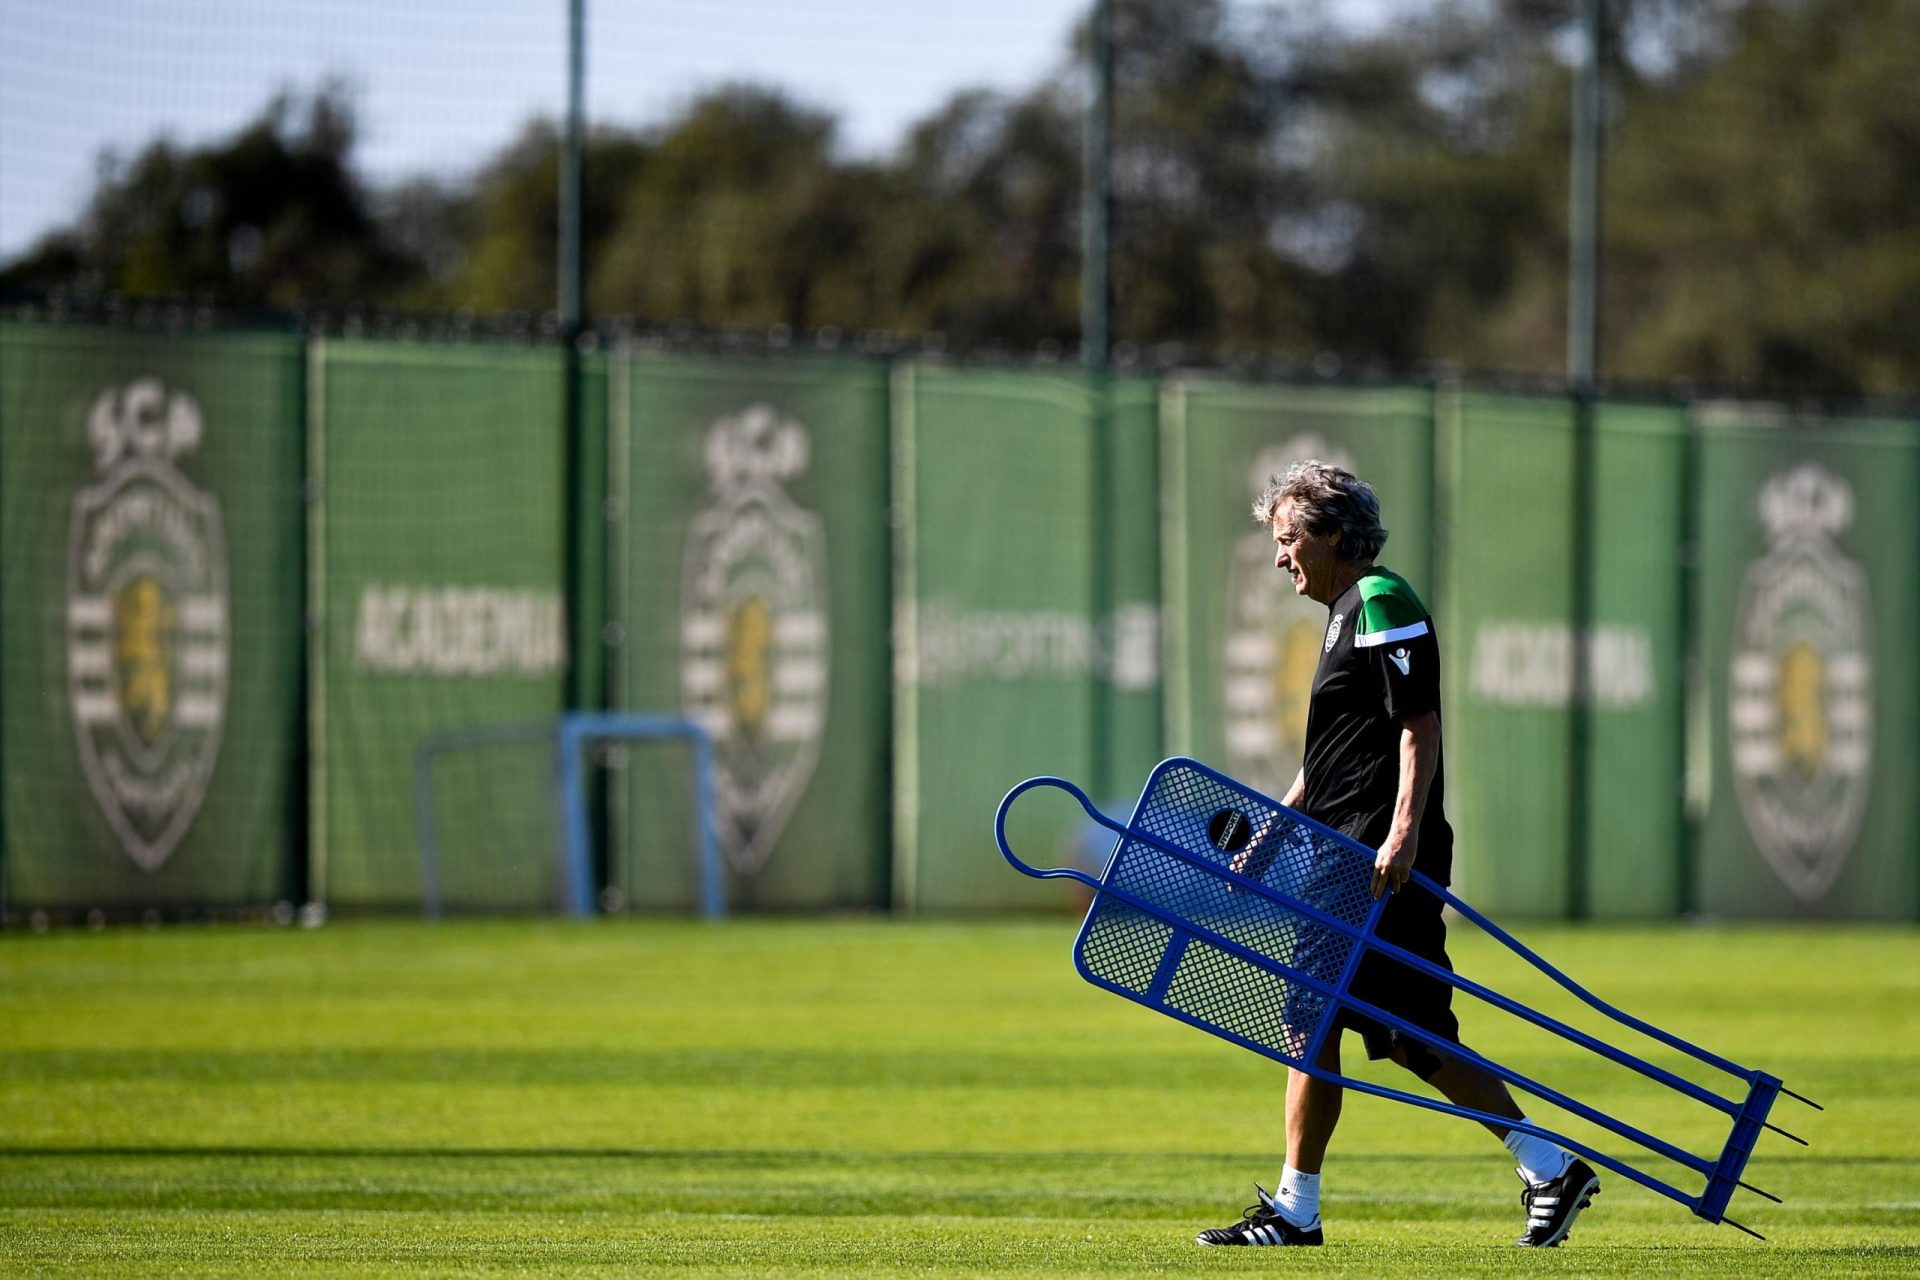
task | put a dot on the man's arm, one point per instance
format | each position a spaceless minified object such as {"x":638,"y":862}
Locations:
{"x":1419,"y":759}
{"x":1253,"y":860}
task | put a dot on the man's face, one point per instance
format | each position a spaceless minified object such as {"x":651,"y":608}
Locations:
{"x":1309,"y":559}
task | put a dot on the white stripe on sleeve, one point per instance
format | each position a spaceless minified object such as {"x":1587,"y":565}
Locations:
{"x":1374,"y":638}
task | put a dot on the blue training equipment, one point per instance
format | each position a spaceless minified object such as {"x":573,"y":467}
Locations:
{"x":1227,"y":910}
{"x":568,"y":736}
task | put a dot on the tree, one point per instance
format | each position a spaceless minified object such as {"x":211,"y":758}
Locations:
{"x":980,"y":241}
{"x":1282,"y":184}
{"x":1766,"y":209}
{"x":271,"y":216}
{"x":739,"y":215}
{"x":1197,"y":194}
{"x":492,"y":242}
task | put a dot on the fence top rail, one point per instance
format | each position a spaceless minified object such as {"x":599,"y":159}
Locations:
{"x":1167,"y":360}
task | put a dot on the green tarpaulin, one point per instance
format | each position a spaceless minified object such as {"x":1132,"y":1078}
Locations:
{"x":149,"y":654}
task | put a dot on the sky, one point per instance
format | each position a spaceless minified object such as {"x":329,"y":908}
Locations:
{"x":441,"y":85}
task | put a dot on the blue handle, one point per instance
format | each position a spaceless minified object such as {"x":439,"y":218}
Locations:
{"x":1051,"y":873}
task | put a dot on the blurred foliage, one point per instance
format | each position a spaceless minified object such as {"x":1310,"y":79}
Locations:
{"x":1282,"y":184}
{"x":271,"y":217}
{"x":1777,"y":237}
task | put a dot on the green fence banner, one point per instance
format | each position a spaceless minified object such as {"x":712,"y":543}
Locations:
{"x":1636,"y":824}
{"x":149,"y":654}
{"x":1806,"y":617}
{"x":438,"y":566}
{"x":1506,"y":640}
{"x":890,"y":591}
{"x":1000,"y":648}
{"x":750,"y":592}
{"x":1129,"y":737}
{"x":1508,"y":627}
{"x":1241,"y":647}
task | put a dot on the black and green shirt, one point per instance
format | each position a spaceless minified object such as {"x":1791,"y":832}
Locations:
{"x":1379,"y":665}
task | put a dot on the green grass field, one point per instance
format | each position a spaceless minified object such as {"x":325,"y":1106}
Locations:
{"x":851,"y":1098}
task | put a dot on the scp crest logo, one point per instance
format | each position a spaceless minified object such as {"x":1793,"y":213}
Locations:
{"x":1800,"y":695}
{"x":753,"y":648}
{"x":146,"y":638}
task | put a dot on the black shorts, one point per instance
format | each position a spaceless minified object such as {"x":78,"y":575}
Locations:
{"x":1412,"y":921}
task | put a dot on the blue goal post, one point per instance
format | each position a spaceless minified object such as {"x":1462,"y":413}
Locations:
{"x":568,"y":737}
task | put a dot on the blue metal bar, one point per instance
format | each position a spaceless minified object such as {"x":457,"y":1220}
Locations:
{"x":1364,"y":935}
{"x":1621,"y":1016}
{"x":1740,"y":1143}
{"x":1453,"y":1049}
{"x":429,"y":832}
{"x":1698,"y":1093}
{"x":713,"y":896}
{"x":1169,"y":965}
{"x":1347,"y":975}
{"x":1381,"y":1091}
{"x":426,"y":823}
{"x":573,"y":820}
{"x":1573,"y":1034}
{"x":1620,"y":1167}
{"x":578,"y":727}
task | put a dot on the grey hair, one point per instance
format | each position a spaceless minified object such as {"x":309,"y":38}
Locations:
{"x":1327,"y":499}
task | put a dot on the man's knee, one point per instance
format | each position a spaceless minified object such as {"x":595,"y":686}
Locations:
{"x":1416,"y":1057}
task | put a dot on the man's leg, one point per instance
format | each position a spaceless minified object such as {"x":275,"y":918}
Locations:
{"x":1313,"y":1110}
{"x":1292,"y":1215}
{"x":1468,"y":1086}
{"x":1559,"y":1186}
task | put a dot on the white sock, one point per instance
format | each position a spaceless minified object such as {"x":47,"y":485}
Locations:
{"x":1298,"y":1199}
{"x":1539,"y":1160}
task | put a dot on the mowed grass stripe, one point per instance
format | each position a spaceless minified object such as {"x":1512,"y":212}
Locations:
{"x":852,"y":1097}
{"x":403,"y":1243}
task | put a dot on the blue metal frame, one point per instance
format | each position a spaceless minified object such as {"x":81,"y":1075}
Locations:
{"x":581,"y":727}
{"x":1749,"y":1113}
{"x":425,"y":825}
{"x":569,"y":735}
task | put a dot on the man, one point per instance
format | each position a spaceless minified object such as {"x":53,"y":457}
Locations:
{"x":1372,"y":769}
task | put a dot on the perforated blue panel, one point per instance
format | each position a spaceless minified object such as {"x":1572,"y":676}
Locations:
{"x":1224,"y":825}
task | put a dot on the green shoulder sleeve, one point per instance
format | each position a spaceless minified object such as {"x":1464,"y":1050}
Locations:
{"x":1388,"y":603}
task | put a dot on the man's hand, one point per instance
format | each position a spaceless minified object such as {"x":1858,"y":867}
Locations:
{"x":1393,"y":864}
{"x":1255,"y":857}
{"x":1419,"y":761}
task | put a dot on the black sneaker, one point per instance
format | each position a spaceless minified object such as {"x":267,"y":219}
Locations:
{"x":1553,"y":1205}
{"x":1263,"y":1225}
